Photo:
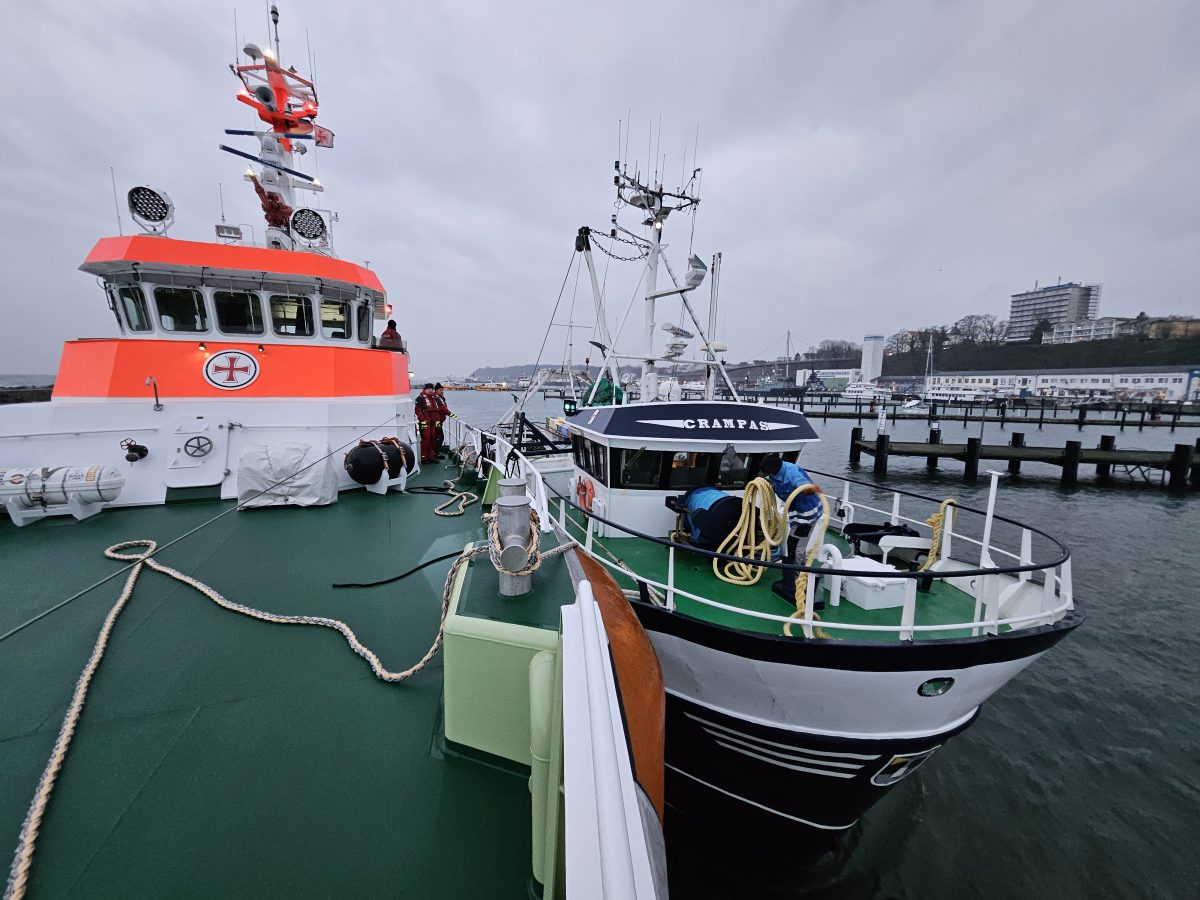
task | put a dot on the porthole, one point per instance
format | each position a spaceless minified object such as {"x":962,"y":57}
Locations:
{"x":935,"y":687}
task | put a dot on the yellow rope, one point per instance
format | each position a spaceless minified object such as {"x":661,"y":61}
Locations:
{"x":814,"y":547}
{"x":938,"y":523}
{"x":760,"y":529}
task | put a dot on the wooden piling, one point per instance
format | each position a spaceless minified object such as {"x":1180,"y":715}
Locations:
{"x":1104,"y":469}
{"x":1070,"y":463}
{"x":935,"y":437}
{"x":1124,"y":415}
{"x":1042,"y":417}
{"x":1142,"y":423}
{"x":1082,"y":416}
{"x":1018,"y":440}
{"x":881,"y":455}
{"x":1179,"y":468}
{"x":855,"y":449}
{"x":1195,"y":479}
{"x":971,"y":472}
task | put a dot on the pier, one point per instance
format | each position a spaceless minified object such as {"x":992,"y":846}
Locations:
{"x":1178,"y":468}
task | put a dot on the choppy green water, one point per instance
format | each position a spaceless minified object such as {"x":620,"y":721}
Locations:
{"x":1081,"y":779}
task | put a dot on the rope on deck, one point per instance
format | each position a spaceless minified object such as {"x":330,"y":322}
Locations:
{"x":938,"y":523}
{"x":18,"y":878}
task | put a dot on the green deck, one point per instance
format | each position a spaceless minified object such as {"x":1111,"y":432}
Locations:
{"x":222,"y":756}
{"x":943,"y":604}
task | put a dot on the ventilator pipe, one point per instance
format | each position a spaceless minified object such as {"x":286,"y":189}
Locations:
{"x":513,"y":524}
{"x":511,"y":487}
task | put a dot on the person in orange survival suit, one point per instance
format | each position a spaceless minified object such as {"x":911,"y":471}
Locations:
{"x":427,"y":420}
{"x":444,"y":413}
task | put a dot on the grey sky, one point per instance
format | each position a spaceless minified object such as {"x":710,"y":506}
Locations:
{"x":867,"y":166}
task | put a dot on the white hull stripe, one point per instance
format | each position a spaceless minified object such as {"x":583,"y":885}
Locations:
{"x":800,"y":757}
{"x":785,"y":765}
{"x":777,"y":812}
{"x":707,"y":725}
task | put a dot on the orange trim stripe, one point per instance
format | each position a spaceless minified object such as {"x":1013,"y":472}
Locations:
{"x":118,"y":368}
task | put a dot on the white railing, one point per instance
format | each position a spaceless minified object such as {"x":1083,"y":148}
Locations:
{"x":607,"y":851}
{"x":987,"y":584}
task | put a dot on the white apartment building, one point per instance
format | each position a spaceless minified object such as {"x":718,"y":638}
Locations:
{"x":1134,"y":383}
{"x":1071,"y":302}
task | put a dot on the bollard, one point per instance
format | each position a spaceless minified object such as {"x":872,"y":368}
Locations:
{"x":1104,"y":469}
{"x":881,"y":455}
{"x":514,"y":522}
{"x":1180,"y":466}
{"x":971,"y":471}
{"x":511,"y":487}
{"x":935,"y":437}
{"x":855,"y":449}
{"x":1018,"y":440}
{"x":1070,"y":463}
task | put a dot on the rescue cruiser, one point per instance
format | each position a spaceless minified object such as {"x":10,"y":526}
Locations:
{"x":220,"y":751}
{"x":787,"y":719}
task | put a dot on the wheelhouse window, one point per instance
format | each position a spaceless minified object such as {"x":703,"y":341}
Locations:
{"x":733,"y":469}
{"x":364,"y":322}
{"x":599,"y":462}
{"x":292,"y":315}
{"x":335,"y":319}
{"x":688,"y":470}
{"x":640,"y":468}
{"x":134,"y":309}
{"x":181,"y":309}
{"x":238,"y":312}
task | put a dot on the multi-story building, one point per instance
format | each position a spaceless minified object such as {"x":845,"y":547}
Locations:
{"x":872,"y":356}
{"x":1071,"y":302}
{"x":1132,"y":382}
{"x":1087,"y":330}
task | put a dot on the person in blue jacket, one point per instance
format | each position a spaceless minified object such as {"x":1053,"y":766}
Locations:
{"x":803,"y":513}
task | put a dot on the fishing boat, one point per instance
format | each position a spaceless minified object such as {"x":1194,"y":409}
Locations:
{"x":788,"y":716}
{"x":304,"y":675}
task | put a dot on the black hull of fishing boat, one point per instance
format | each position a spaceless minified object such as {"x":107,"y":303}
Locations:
{"x":777,"y":743}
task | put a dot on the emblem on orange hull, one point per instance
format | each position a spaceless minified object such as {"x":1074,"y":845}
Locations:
{"x":231,"y":370}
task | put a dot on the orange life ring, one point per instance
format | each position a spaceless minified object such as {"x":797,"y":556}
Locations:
{"x":585,"y":491}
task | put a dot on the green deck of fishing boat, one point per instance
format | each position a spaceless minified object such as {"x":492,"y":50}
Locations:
{"x":942,"y":604}
{"x":223,"y":756}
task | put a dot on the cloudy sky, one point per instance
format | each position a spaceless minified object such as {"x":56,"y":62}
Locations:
{"x":868,"y":166}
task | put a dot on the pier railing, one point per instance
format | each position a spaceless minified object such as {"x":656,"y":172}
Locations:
{"x":1013,"y":588}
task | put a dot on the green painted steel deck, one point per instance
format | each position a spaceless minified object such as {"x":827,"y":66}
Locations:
{"x":942,"y":604}
{"x":223,"y":756}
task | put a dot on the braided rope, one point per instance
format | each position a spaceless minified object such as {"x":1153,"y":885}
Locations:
{"x":533,"y":552}
{"x":814,"y":547}
{"x":18,"y":878}
{"x":938,"y":523}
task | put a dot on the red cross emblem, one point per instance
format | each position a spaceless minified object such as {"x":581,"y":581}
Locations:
{"x":231,"y":370}
{"x":231,"y":366}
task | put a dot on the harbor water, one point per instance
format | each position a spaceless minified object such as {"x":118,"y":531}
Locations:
{"x":1080,"y":779}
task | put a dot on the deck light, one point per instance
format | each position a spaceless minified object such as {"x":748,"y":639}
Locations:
{"x":203,"y":346}
{"x":260,"y":349}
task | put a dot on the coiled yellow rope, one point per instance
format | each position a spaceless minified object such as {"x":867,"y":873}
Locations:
{"x":938,"y":523}
{"x":760,"y":529}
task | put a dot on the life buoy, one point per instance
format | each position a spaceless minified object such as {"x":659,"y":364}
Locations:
{"x":585,"y":491}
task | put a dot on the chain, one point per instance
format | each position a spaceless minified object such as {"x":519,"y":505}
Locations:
{"x":596,"y":233}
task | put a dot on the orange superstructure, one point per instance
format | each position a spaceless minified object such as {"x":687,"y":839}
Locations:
{"x":115,"y":254}
{"x":119,"y":368}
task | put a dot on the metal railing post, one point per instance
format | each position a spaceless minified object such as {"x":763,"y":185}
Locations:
{"x":908,"y":617}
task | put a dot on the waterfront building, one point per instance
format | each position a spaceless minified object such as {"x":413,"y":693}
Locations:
{"x":1156,"y":327}
{"x":1125,"y":382}
{"x":1071,"y":302}
{"x":872,"y":356}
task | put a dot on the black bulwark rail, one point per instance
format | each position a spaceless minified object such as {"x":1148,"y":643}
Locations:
{"x":1065,"y":554}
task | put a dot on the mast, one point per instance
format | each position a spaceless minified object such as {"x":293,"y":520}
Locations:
{"x":287,"y":103}
{"x":649,"y":370}
{"x":710,"y":382}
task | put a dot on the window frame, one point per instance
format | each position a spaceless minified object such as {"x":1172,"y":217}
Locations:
{"x":347,"y":320}
{"x":255,"y":305}
{"x":123,"y":312}
{"x":200,"y":306}
{"x":292,"y":298}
